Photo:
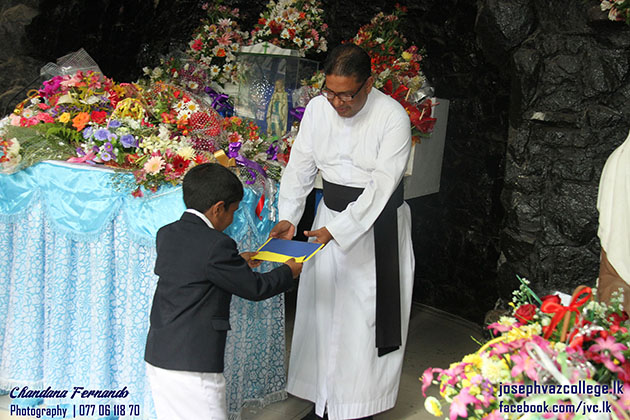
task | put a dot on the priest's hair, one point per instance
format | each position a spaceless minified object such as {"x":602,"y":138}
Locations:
{"x":348,"y":60}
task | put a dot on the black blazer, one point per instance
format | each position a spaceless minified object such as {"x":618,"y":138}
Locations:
{"x":199,"y":269}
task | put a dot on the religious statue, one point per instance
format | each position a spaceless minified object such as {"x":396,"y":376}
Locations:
{"x":278,"y":111}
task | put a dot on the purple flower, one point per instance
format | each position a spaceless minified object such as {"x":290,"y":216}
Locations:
{"x":233,"y":149}
{"x":96,"y":149}
{"x":105,"y":156}
{"x":80,"y":152}
{"x":114,"y":124}
{"x":101,"y":134}
{"x":127,"y":140}
{"x":272,"y":151}
{"x":108,"y":147}
{"x":87,"y":132}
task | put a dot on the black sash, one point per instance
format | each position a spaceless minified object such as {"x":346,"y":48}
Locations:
{"x":337,"y":197}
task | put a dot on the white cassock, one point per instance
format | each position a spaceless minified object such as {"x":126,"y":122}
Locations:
{"x":613,"y":203}
{"x":334,"y":361}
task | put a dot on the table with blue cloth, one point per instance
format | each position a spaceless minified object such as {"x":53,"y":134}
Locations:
{"x":77,"y":282}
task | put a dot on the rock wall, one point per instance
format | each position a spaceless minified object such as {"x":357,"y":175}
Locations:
{"x":569,"y":109}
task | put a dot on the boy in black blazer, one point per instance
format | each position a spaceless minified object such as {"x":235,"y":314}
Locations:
{"x":199,"y":270}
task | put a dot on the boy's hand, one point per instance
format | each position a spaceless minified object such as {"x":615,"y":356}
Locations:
{"x":296,"y":268}
{"x":283,"y":230}
{"x":247,"y":256}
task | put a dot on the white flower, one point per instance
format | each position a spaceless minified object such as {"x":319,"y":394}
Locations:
{"x":186,"y":152}
{"x":433,"y":406}
{"x":164,"y":133}
{"x":215,"y":70}
{"x":132,"y":123}
{"x":379,"y":40}
{"x":12,"y":165}
{"x":495,"y":370}
{"x":284,"y":34}
{"x":157,"y":73}
{"x":193,"y":85}
{"x":14,"y":148}
{"x":298,"y":41}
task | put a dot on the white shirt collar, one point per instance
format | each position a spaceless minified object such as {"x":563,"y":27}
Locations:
{"x":202,"y":216}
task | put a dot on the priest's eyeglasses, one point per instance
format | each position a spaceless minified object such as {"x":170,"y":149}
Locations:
{"x":344,"y":97}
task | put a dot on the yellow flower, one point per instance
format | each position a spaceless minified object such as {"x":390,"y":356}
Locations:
{"x":64,"y":118}
{"x":473,"y":358}
{"x":433,"y":406}
{"x":406,"y":55}
{"x":474,"y":390}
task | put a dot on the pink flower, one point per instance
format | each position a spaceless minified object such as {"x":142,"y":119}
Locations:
{"x":225,"y":39}
{"x":427,"y":378}
{"x":494,"y":415}
{"x":44,"y":117}
{"x":499,"y":328}
{"x":459,"y":406}
{"x":524,"y":363}
{"x":610,"y":344}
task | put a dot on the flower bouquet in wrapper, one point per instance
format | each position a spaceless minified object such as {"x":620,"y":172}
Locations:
{"x":49,"y":123}
{"x":396,"y":68}
{"x":292,"y":24}
{"x":548,"y":360}
{"x":215,"y":43}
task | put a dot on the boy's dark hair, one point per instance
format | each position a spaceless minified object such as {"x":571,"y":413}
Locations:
{"x":348,"y":60}
{"x":207,"y":184}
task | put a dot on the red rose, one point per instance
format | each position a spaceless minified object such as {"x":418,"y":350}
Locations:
{"x":553,"y":298}
{"x":525,"y":313}
{"x":617,"y":319}
{"x":98,"y":116}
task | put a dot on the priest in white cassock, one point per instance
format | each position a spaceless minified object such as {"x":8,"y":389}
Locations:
{"x":354,"y":296}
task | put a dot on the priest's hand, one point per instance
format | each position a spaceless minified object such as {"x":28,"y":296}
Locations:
{"x":283,"y":230}
{"x":321,"y":235}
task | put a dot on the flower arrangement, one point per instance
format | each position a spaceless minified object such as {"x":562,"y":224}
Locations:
{"x":178,"y":70}
{"x":536,"y":365}
{"x":292,"y":24}
{"x":618,"y":10}
{"x":48,"y":124}
{"x":216,"y":41}
{"x":157,"y":132}
{"x":396,"y":68}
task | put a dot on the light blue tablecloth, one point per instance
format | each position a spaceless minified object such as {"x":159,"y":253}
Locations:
{"x":76,"y":284}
